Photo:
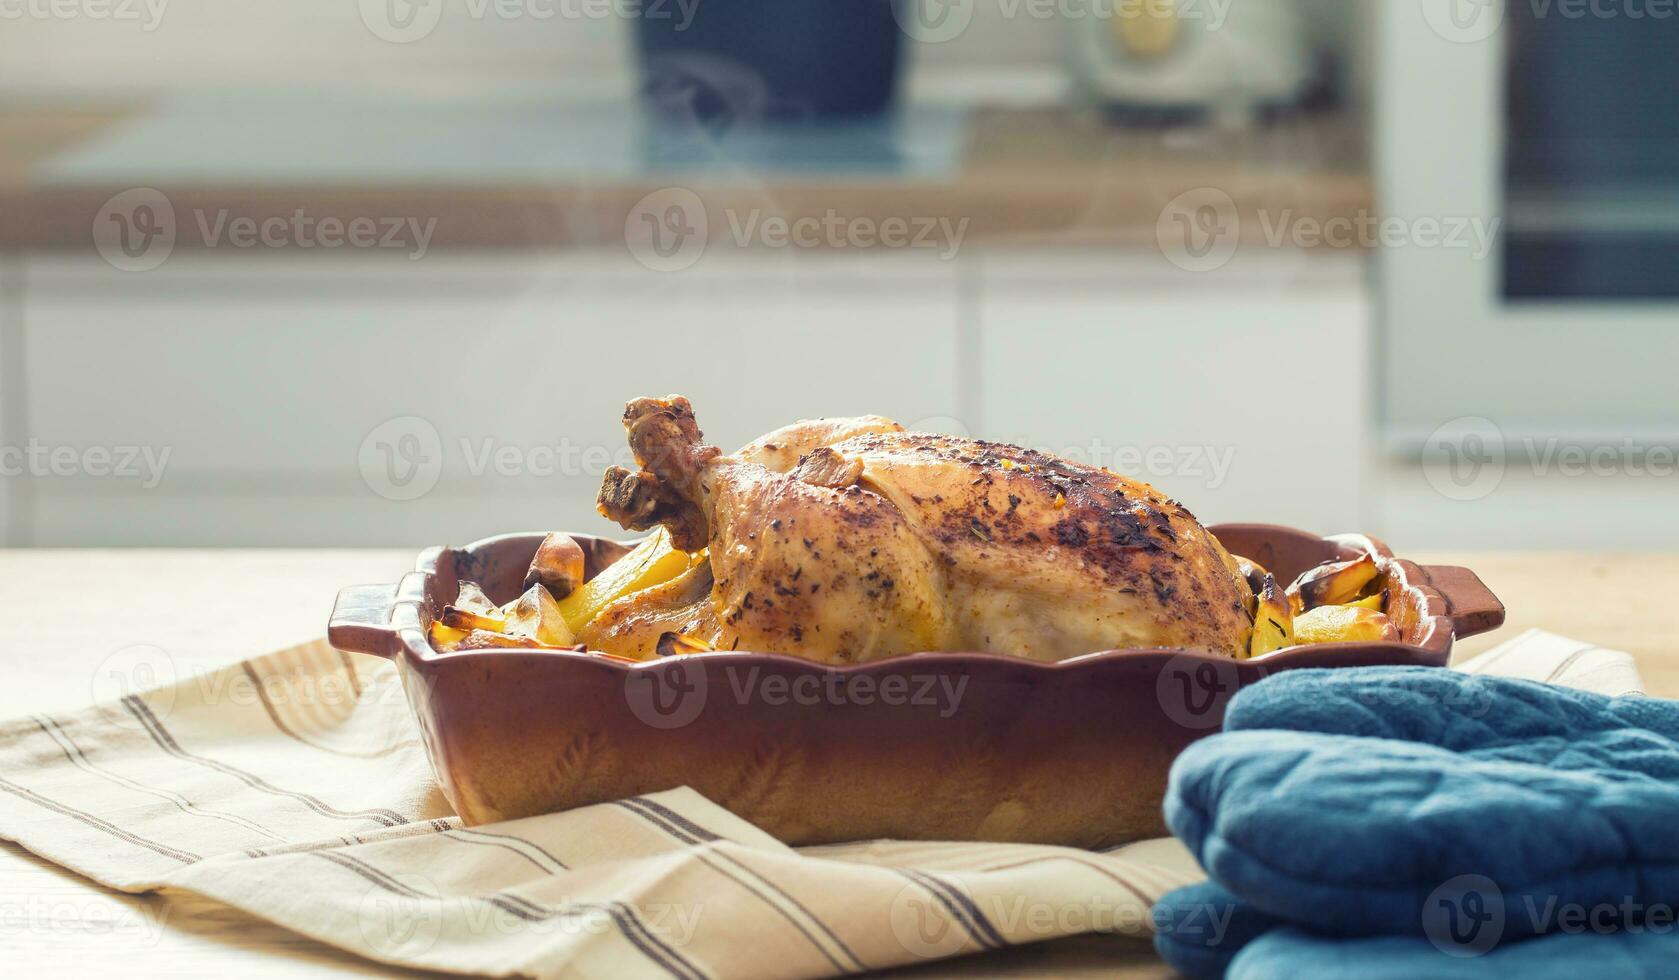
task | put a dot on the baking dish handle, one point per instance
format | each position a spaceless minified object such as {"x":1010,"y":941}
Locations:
{"x":1473,"y":607}
{"x":361,"y":620}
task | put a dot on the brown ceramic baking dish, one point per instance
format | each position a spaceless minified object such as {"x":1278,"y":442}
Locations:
{"x":947,"y":746}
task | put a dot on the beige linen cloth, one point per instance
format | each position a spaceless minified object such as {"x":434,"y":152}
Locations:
{"x":293,"y":786}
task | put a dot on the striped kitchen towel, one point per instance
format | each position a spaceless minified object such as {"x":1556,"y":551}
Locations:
{"x":294,"y":787}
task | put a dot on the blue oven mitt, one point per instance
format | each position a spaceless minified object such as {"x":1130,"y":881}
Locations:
{"x":1200,"y":929}
{"x":1461,"y":813}
{"x":1300,"y":955}
{"x":1204,"y":931}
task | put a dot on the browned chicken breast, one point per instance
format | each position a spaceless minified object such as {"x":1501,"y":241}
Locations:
{"x":850,"y":540}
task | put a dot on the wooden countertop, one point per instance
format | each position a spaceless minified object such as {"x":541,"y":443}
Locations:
{"x":1027,"y":177}
{"x":245,"y":603}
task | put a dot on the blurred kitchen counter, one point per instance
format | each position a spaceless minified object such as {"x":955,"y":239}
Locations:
{"x":1019,"y":176}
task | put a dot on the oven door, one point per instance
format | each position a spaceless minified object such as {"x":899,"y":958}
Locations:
{"x":1547,"y":127}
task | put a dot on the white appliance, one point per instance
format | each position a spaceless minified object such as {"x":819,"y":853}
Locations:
{"x":1558,"y":134}
{"x":1189,"y":54}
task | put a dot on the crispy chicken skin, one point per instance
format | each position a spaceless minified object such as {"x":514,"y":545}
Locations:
{"x":845,"y":541}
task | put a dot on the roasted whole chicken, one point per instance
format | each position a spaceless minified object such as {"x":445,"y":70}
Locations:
{"x":849,"y":540}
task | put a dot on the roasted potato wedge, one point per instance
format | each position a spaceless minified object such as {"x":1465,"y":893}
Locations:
{"x":651,"y":563}
{"x":536,"y":616}
{"x":486,"y":640}
{"x":1273,"y":620}
{"x":444,"y":637}
{"x":471,"y":598}
{"x":467,"y":621}
{"x":557,"y":567}
{"x":1253,"y":571}
{"x":671,"y":644}
{"x":1334,"y":583}
{"x":1344,"y":624}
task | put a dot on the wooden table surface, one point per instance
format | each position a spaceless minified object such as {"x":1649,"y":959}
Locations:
{"x":66,"y":611}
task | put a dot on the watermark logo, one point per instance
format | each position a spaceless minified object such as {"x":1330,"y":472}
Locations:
{"x":1198,"y":924}
{"x":139,"y":668}
{"x":1464,"y":917}
{"x":142,"y":464}
{"x":1193,"y":690}
{"x":1147,"y":27}
{"x":1198,"y":230}
{"x":1604,"y":9}
{"x":135,"y":230}
{"x":934,"y":691}
{"x":401,"y":21}
{"x":836,"y":231}
{"x":667,"y":230}
{"x":1212,"y":465}
{"x":921,"y":922}
{"x":402,"y":919}
{"x":673,"y":694}
{"x":139,"y":923}
{"x":1474,"y":21}
{"x":1365,"y":229}
{"x":300,"y":229}
{"x":1464,"y":21}
{"x":147,"y":13}
{"x":934,"y":918}
{"x":666,"y":696}
{"x":1465,"y":458}
{"x":402,"y":459}
{"x":933,"y":21}
{"x":407,"y":21}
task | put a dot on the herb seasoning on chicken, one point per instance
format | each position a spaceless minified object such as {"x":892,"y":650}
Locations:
{"x":850,"y":540}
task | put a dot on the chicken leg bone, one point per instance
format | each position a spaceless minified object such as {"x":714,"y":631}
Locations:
{"x":670,"y":452}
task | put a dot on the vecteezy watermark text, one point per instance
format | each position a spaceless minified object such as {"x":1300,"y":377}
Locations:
{"x":37,"y":459}
{"x":927,"y":924}
{"x":403,"y":458}
{"x":670,"y":695}
{"x":151,"y":671}
{"x":36,"y":916}
{"x":137,"y":230}
{"x":1473,"y":21}
{"x":1467,"y":458}
{"x":406,"y":21}
{"x":941,"y":692}
{"x":669,"y":230}
{"x":1210,"y":464}
{"x":1469,"y":915}
{"x":1200,"y":230}
{"x":833,"y":230}
{"x":937,"y":21}
{"x":408,"y":918}
{"x":300,"y":229}
{"x":1366,"y":230}
{"x":147,"y":13}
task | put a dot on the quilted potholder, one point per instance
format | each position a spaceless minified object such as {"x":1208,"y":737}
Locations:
{"x":1465,"y":812}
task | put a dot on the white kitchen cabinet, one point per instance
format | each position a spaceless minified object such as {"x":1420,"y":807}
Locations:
{"x":1243,"y":393}
{"x":272,"y":381}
